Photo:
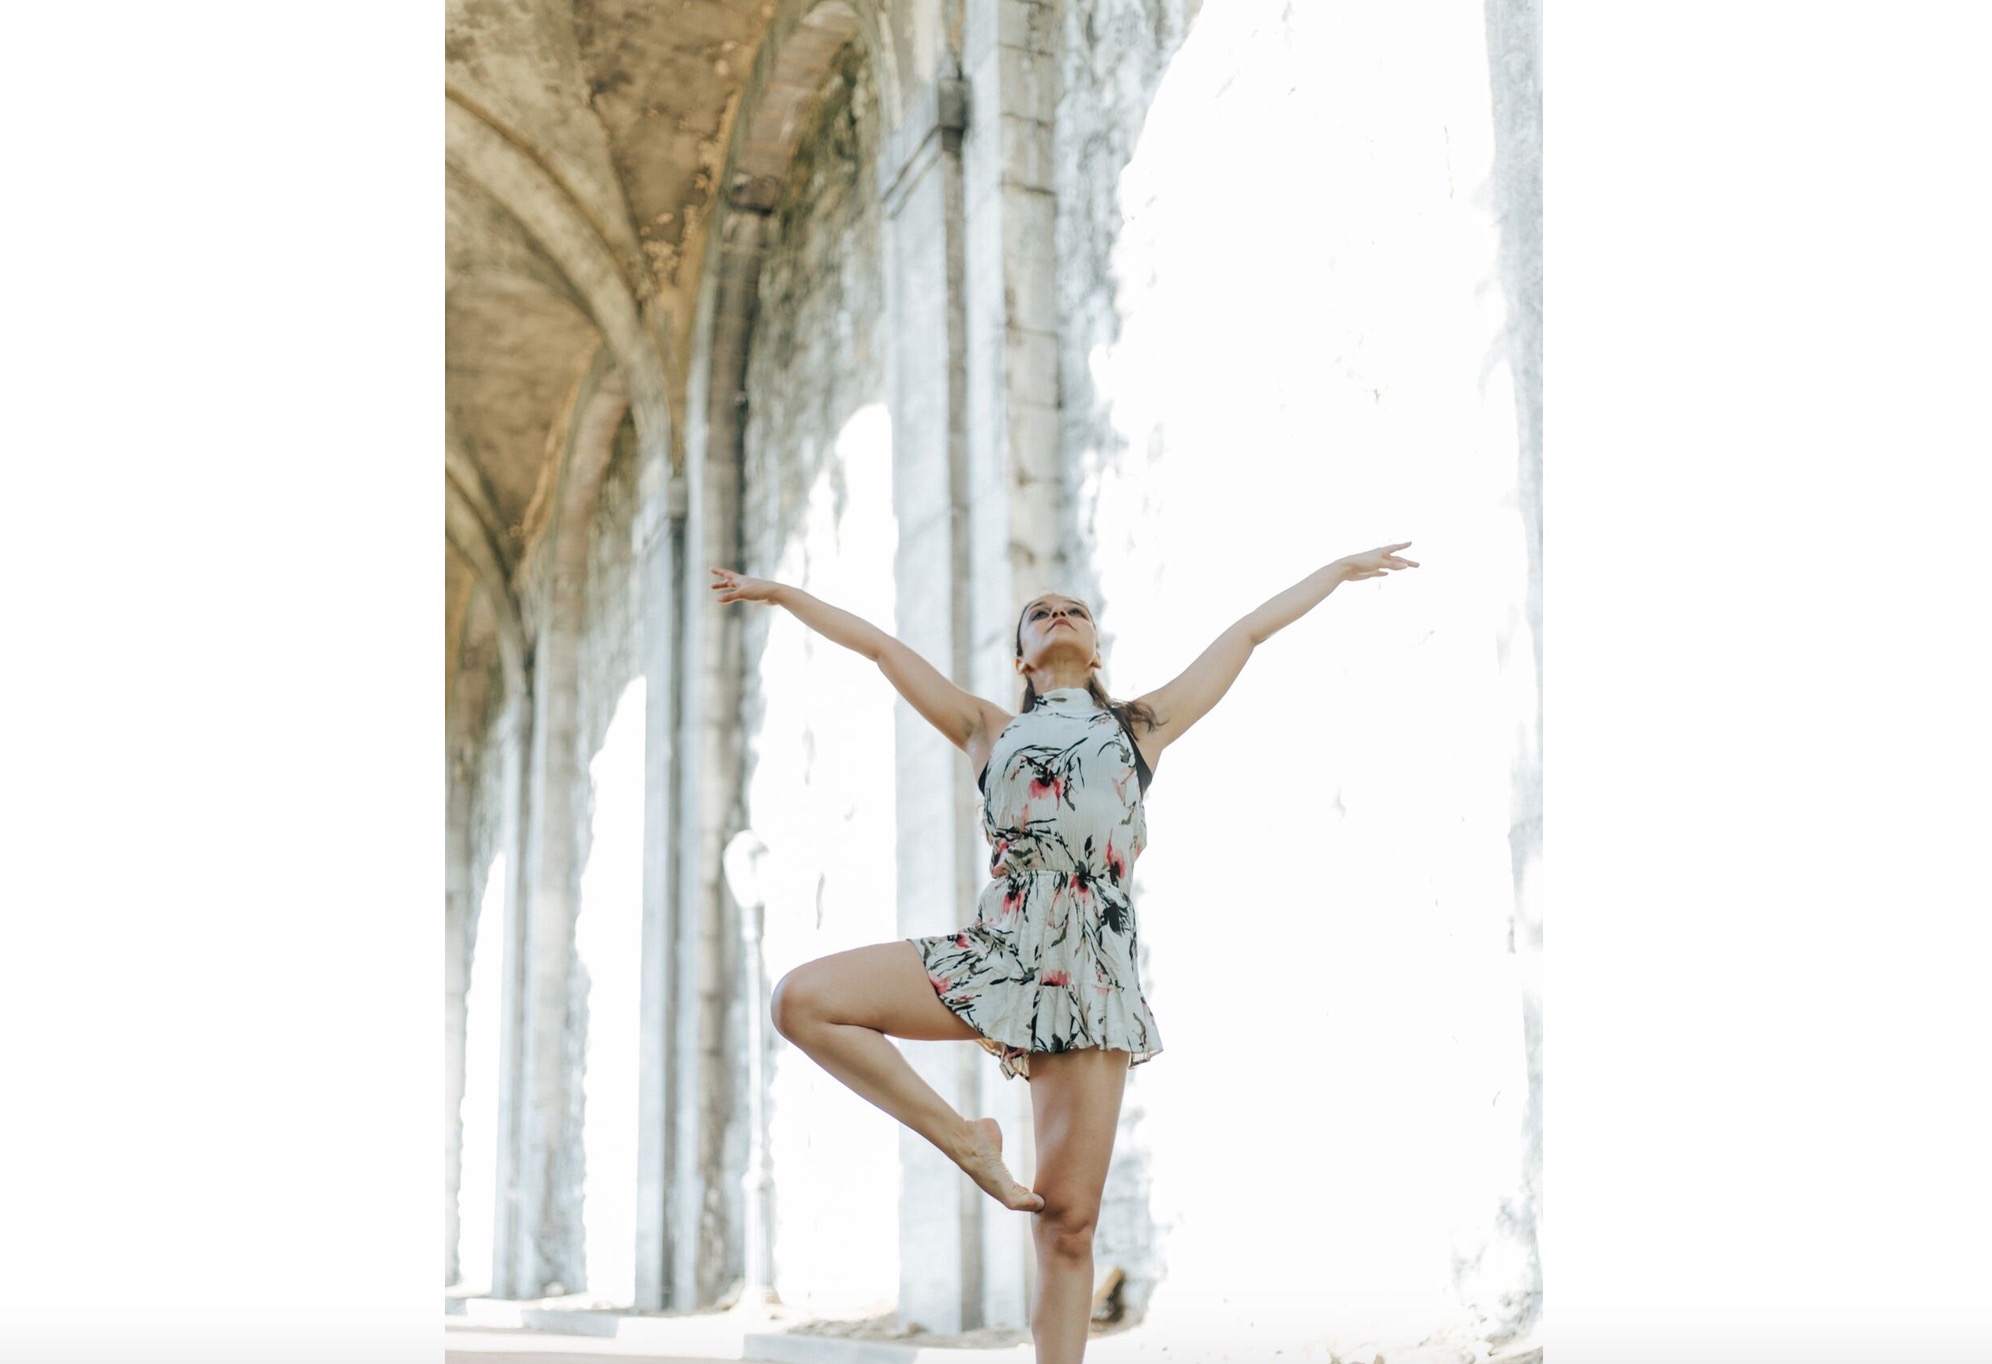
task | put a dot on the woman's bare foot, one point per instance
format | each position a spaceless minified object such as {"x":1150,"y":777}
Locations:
{"x":981,"y":1159}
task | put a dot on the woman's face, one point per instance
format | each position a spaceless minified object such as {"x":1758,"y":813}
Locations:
{"x":1054,"y":625}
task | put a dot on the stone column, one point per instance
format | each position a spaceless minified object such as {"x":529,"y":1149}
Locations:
{"x":515,"y":737}
{"x":662,"y":536}
{"x":457,"y":915}
{"x":1013,"y":467}
{"x":920,"y":173}
{"x":547,"y":1235}
{"x":704,"y":1196}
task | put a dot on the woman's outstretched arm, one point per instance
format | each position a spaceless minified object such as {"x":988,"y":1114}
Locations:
{"x":1189,"y":696}
{"x":961,"y":715}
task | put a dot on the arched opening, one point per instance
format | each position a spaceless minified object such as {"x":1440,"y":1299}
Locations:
{"x":608,"y":941}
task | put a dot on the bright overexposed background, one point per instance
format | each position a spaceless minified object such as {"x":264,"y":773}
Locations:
{"x":608,"y":938}
{"x":1326,"y":896}
{"x":821,"y":802}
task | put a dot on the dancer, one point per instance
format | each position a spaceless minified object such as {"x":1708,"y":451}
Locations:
{"x":1045,"y":978}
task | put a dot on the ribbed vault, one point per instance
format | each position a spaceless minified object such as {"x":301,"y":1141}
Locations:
{"x":589,"y":146}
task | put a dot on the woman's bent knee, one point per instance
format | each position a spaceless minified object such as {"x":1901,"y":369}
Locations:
{"x":790,"y":1006}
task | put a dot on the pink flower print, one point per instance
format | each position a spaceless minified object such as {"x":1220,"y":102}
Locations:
{"x":961,"y":940}
{"x":1116,"y":864}
{"x":1047,"y":786}
{"x":1056,"y":978}
{"x":1013,"y":897}
{"x":941,"y":984}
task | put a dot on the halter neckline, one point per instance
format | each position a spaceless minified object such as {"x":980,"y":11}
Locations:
{"x":1068,"y":698}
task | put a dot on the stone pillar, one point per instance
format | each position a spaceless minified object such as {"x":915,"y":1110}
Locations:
{"x":920,"y":173}
{"x":515,"y":737}
{"x":662,"y":537}
{"x":458,"y":912}
{"x":1010,"y":58}
{"x":704,"y":1201}
{"x":1014,"y":470}
{"x":547,"y":1234}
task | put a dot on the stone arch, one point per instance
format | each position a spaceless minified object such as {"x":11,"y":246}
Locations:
{"x":795,"y":59}
{"x":804,"y":38}
{"x":586,"y":440}
{"x":471,"y":531}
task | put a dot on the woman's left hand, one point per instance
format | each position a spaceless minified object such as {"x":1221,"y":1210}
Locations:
{"x":1376,"y":562}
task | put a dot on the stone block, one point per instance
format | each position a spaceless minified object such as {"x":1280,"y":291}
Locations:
{"x":1031,"y":366}
{"x":1033,"y":431}
{"x":1029,"y":221}
{"x":990,"y":24}
{"x":1028,"y":85}
{"x":1026,"y":148}
{"x":1031,"y":24}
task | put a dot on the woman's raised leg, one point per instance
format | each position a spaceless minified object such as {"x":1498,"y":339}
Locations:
{"x":1075,"y":1109}
{"x":841,"y":1008}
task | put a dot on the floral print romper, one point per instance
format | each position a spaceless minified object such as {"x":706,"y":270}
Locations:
{"x":1049,"y":963}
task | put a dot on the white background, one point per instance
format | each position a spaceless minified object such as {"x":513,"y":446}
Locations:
{"x":1766,"y":735}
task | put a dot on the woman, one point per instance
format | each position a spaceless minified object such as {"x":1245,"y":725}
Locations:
{"x":1045,"y":977}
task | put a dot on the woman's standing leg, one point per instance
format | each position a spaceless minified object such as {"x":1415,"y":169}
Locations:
{"x":1075,"y":1109}
{"x":840,"y":1009}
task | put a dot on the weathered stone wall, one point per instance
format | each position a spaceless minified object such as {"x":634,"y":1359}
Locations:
{"x":817,"y":513}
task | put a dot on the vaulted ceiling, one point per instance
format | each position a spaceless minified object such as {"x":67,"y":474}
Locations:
{"x":623,"y":108}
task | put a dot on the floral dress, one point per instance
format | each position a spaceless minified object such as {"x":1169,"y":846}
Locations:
{"x":1049,"y":963}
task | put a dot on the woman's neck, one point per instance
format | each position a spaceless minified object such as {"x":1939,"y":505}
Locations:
{"x":1059,"y":679}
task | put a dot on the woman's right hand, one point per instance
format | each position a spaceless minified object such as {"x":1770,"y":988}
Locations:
{"x":733,"y":586}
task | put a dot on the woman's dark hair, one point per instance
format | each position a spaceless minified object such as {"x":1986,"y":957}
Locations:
{"x":1127,"y":712}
